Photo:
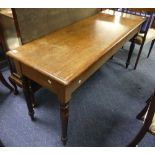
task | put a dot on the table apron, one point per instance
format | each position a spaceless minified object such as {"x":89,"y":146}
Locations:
{"x":42,"y":79}
{"x":65,"y":92}
{"x":86,"y":74}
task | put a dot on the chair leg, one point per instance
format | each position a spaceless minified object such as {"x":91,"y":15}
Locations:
{"x":138,"y":57}
{"x":132,"y":46}
{"x":146,"y":125}
{"x":139,"y":136}
{"x":143,"y":112}
{"x":4,"y":82}
{"x":152,"y":43}
{"x":34,"y":104}
{"x":143,"y":130}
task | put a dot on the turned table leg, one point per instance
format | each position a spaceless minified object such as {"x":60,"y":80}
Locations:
{"x":27,"y":95}
{"x":132,"y":46}
{"x":33,"y":102}
{"x":64,"y":113}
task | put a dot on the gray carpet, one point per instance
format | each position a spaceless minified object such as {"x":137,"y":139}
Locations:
{"x":102,"y":111}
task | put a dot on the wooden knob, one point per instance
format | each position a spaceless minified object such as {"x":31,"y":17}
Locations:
{"x":80,"y":81}
{"x":49,"y":81}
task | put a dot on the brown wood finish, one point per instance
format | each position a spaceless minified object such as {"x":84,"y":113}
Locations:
{"x":16,"y":24}
{"x":142,"y":9}
{"x":52,"y":19}
{"x":7,"y":32}
{"x":71,"y":45}
{"x":2,"y":79}
{"x":27,"y":94}
{"x":64,"y":59}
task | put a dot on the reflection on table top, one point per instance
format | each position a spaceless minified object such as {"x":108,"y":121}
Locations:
{"x":66,"y":53}
{"x":6,"y":12}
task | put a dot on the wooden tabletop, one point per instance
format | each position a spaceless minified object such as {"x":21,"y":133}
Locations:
{"x":7,"y":12}
{"x":65,"y":54}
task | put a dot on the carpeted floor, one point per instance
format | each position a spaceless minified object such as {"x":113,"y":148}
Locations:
{"x":102,"y":111}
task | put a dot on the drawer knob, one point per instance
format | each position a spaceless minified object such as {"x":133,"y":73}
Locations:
{"x":14,"y":51}
{"x":49,"y":81}
{"x":80,"y":81}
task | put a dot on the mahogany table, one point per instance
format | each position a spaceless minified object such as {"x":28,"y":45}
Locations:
{"x":65,"y":59}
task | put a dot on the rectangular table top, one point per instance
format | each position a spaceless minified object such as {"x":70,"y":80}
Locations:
{"x":66,"y":53}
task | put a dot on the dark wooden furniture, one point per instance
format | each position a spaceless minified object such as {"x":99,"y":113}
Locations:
{"x":30,"y":24}
{"x":63,"y":60}
{"x":9,"y":38}
{"x":148,"y":34}
{"x":2,"y":79}
{"x":148,"y":116}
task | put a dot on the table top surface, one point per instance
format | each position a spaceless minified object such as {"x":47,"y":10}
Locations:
{"x":7,"y":12}
{"x":66,"y":53}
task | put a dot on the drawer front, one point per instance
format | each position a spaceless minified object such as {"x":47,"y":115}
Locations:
{"x":91,"y":70}
{"x":41,"y":79}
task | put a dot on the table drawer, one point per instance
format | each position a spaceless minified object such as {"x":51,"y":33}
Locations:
{"x":41,"y":79}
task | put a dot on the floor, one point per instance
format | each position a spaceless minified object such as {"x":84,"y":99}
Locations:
{"x":102,"y":111}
